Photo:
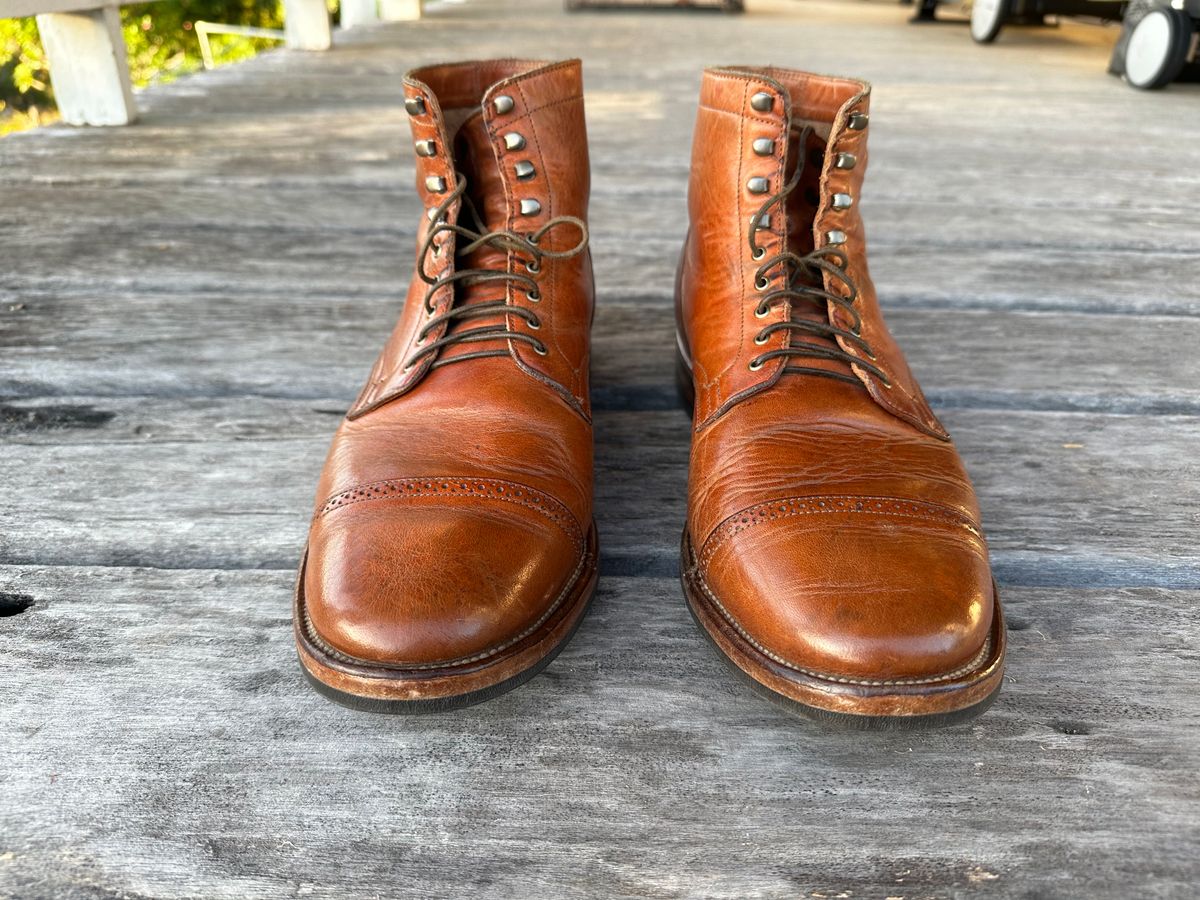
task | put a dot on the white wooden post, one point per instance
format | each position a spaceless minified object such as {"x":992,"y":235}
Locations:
{"x":399,"y":10}
{"x":306,"y":25}
{"x":88,"y":66}
{"x":359,"y":12}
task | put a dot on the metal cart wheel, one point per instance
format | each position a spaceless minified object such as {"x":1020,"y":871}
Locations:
{"x":987,"y":18}
{"x":1158,"y":48}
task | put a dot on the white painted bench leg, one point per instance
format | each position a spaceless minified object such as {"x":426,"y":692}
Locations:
{"x":400,"y":10}
{"x":306,"y":25}
{"x":359,"y":12}
{"x":88,"y":66}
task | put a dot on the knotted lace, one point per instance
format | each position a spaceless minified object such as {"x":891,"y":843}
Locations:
{"x":804,"y":280}
{"x":471,"y":240}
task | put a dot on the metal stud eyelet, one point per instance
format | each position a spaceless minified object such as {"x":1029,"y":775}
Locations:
{"x":435,"y":184}
{"x":524,"y":170}
{"x":841,"y":202}
{"x":755,"y":364}
{"x":845,"y":161}
{"x":514,"y":141}
{"x":426,"y":148}
{"x":764,"y":146}
{"x":857,"y":121}
{"x":414,"y":106}
{"x":503,"y":104}
{"x":758,"y":185}
{"x":835,"y":237}
{"x":530,"y":207}
{"x":762,"y":101}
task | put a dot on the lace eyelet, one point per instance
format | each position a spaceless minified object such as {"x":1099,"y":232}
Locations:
{"x":761,"y":339}
{"x":540,"y":349}
{"x":535,"y":323}
{"x":533,"y":267}
{"x":761,"y":312}
{"x":762,"y":282}
{"x":759,"y":253}
{"x":534,"y":296}
{"x":755,"y":364}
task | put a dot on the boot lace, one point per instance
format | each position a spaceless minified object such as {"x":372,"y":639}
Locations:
{"x":804,"y":281}
{"x":472,"y":239}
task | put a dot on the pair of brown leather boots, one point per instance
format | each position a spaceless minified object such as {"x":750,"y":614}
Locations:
{"x":832,"y":550}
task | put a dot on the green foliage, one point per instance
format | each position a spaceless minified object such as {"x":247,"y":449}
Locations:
{"x":161,"y":43}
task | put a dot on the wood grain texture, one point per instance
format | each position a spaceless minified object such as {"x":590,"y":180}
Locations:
{"x":210,"y":344}
{"x":168,"y":747}
{"x":1073,"y":499}
{"x":187,"y":307}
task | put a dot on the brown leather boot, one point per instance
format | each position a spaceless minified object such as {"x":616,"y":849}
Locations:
{"x":833,"y":550}
{"x":452,"y":551}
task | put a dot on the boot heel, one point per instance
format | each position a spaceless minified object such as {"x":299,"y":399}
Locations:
{"x":684,"y":385}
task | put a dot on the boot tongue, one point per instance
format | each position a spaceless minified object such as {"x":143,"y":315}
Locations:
{"x":806,"y":148}
{"x":476,"y":159}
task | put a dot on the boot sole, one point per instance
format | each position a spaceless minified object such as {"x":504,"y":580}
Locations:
{"x":832,"y":702}
{"x":369,"y":687}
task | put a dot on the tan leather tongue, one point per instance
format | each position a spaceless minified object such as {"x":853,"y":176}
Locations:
{"x":802,"y":205}
{"x":475,"y":160}
{"x":803,"y":201}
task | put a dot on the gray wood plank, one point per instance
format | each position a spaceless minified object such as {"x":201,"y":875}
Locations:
{"x":908,"y":272}
{"x":320,"y":346}
{"x":631,"y":201}
{"x":1068,"y":498}
{"x":167,"y":747}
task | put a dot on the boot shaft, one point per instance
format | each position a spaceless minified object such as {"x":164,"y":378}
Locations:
{"x":778,"y":163}
{"x":501,"y":147}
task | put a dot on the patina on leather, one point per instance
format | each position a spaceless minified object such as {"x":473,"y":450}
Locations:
{"x":833,"y":547}
{"x":452,"y":545}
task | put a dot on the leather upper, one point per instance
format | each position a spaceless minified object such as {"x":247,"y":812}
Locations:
{"x":453,"y":510}
{"x":830,"y":517}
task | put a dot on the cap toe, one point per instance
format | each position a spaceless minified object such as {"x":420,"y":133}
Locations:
{"x":855,"y":589}
{"x":417,"y":578}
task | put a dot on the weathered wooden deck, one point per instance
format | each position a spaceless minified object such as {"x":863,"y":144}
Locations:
{"x":187,"y":305}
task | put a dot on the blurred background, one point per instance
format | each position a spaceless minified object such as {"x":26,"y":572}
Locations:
{"x":161,"y":42}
